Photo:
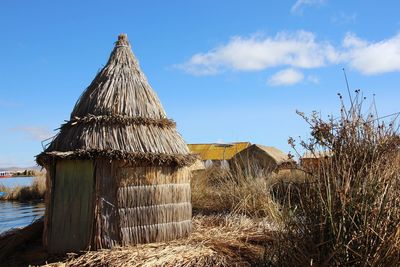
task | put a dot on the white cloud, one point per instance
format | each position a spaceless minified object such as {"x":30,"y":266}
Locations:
{"x":313,"y":79}
{"x":372,"y":58}
{"x":286,"y":77}
{"x":33,"y":132}
{"x":351,"y":40}
{"x":300,"y":50}
{"x":299,"y":5}
{"x":344,"y":18}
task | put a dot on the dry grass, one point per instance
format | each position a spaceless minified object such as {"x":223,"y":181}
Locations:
{"x":26,"y":193}
{"x":219,"y":191}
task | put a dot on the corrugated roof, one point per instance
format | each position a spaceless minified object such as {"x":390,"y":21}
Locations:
{"x":218,"y":151}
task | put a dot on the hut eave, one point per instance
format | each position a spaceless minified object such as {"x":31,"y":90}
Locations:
{"x":141,"y":158}
{"x":118,"y":119}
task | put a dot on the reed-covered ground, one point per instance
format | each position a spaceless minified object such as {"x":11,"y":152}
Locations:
{"x":217,"y":240}
{"x":344,"y":211}
{"x":26,"y":193}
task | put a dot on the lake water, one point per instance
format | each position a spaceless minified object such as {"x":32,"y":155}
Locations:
{"x":16,"y":181}
{"x":16,"y":214}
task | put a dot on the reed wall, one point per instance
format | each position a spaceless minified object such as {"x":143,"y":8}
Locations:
{"x":132,"y":204}
{"x":154,"y":203}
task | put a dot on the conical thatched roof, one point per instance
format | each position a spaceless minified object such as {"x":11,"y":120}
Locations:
{"x":119,"y":116}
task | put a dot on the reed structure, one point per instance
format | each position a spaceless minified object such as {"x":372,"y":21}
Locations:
{"x":117,"y":171}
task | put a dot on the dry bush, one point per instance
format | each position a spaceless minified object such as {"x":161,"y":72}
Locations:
{"x":349,"y":213}
{"x":26,"y":193}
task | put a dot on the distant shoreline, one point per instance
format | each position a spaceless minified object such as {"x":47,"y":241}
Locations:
{"x":35,"y":191}
{"x":17,"y":176}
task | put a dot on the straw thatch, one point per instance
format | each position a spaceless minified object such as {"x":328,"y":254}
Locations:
{"x":119,"y":117}
{"x":262,"y":158}
{"x":117,"y":170}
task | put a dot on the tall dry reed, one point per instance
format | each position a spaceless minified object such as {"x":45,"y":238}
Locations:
{"x":349,"y":213}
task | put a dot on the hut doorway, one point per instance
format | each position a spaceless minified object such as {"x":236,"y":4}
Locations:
{"x":72,"y":209}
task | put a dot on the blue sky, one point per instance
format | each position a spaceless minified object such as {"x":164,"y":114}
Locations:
{"x":224,"y":70}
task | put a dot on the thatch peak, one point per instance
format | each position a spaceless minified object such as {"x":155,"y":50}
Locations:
{"x":120,"y":88}
{"x":119,"y":115}
{"x":122,"y":40}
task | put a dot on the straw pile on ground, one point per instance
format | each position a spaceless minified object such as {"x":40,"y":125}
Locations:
{"x":217,"y":240}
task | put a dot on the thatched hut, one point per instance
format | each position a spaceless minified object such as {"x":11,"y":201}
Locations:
{"x":244,"y":156}
{"x":117,"y":171}
{"x":313,"y":160}
{"x":258,"y":159}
